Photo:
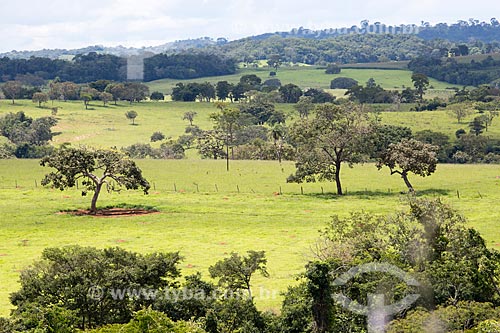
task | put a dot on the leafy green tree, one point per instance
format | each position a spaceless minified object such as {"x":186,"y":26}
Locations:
{"x":274,"y":61}
{"x":278,"y":133}
{"x":189,"y":116}
{"x":304,"y":106}
{"x":40,"y":98}
{"x":477,"y":126}
{"x":80,"y":280}
{"x":410,"y":155}
{"x":420,"y":82}
{"x":211,"y":144}
{"x":383,"y":135}
{"x":337,"y":134}
{"x":117,"y":90}
{"x":223,"y":90}
{"x":134,"y":91}
{"x":460,"y":111}
{"x":251,"y":81}
{"x":319,"y":95}
{"x":12,"y":89}
{"x":227,"y":121}
{"x":157,"y":96}
{"x":235,"y":272}
{"x":290,"y":93}
{"x":105,"y":97}
{"x":343,"y":83}
{"x":259,"y":111}
{"x":131,"y":115}
{"x":332,"y":69}
{"x":96,"y":168}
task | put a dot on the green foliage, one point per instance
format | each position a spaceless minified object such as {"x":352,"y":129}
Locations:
{"x":65,"y":277}
{"x":40,"y":98}
{"x":235,"y":272}
{"x":148,"y":320}
{"x":477,"y":126}
{"x":319,"y":96}
{"x":157,"y":96}
{"x":343,"y":83}
{"x":187,"y":66}
{"x":234,"y":315}
{"x":336,"y":135}
{"x":131,"y":115}
{"x":420,"y":82}
{"x":290,"y":93}
{"x":332,"y":69}
{"x":95,"y":168}
{"x":410,"y":155}
{"x":157,"y":136}
{"x":462,"y":317}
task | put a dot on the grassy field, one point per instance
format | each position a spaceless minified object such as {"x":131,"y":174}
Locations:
{"x":207,"y":225}
{"x":311,"y":77}
{"x":213,"y":212}
{"x":107,"y":126}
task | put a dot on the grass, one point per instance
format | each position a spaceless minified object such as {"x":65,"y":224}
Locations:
{"x":312,"y":77}
{"x":107,"y":126}
{"x":213,"y":212}
{"x":207,"y":225}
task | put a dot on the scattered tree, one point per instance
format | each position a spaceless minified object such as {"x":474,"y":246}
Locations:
{"x":304,"y":106}
{"x":12,"y":89}
{"x":105,"y":97}
{"x":343,"y":83}
{"x":477,"y":126}
{"x":274,"y":61}
{"x":410,"y":155}
{"x":157,"y":96}
{"x":40,"y":98}
{"x":96,"y":168}
{"x":420,"y":82}
{"x":460,"y":111}
{"x":332,"y":69}
{"x":337,"y":134}
{"x":189,"y":116}
{"x":227,"y":121}
{"x":131,"y":115}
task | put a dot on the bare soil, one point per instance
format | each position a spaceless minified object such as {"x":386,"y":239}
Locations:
{"x":112,"y":212}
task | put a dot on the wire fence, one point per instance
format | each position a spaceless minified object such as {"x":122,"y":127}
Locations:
{"x":276,"y":189}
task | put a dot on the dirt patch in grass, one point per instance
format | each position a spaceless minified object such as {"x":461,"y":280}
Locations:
{"x":112,"y":212}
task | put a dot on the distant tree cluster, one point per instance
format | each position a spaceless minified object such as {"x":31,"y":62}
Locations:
{"x":187,"y":66}
{"x":28,"y":137}
{"x":82,"y":69}
{"x":450,"y":70}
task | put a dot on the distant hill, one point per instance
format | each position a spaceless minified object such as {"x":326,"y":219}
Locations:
{"x":480,"y":37}
{"x":121,"y":51}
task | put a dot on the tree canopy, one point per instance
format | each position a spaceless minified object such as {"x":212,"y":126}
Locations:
{"x":95,"y":169}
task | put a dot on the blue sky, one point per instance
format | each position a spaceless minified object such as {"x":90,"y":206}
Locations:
{"x":35,"y":24}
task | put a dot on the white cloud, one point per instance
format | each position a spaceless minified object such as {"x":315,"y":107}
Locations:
{"x":34,"y":24}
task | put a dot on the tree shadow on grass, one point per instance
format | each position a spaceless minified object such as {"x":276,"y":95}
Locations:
{"x":368,"y":194}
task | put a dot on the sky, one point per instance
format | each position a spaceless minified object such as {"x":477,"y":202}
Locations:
{"x":36,"y":24}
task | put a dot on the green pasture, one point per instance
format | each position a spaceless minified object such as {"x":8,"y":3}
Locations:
{"x":311,"y":77}
{"x":107,"y":126}
{"x":213,"y":212}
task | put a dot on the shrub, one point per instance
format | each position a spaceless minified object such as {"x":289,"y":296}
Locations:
{"x":343,"y":83}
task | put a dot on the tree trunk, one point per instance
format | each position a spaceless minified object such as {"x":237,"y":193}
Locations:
{"x":93,"y":205}
{"x":404,"y":175}
{"x":337,"y":177}
{"x":227,"y":157}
